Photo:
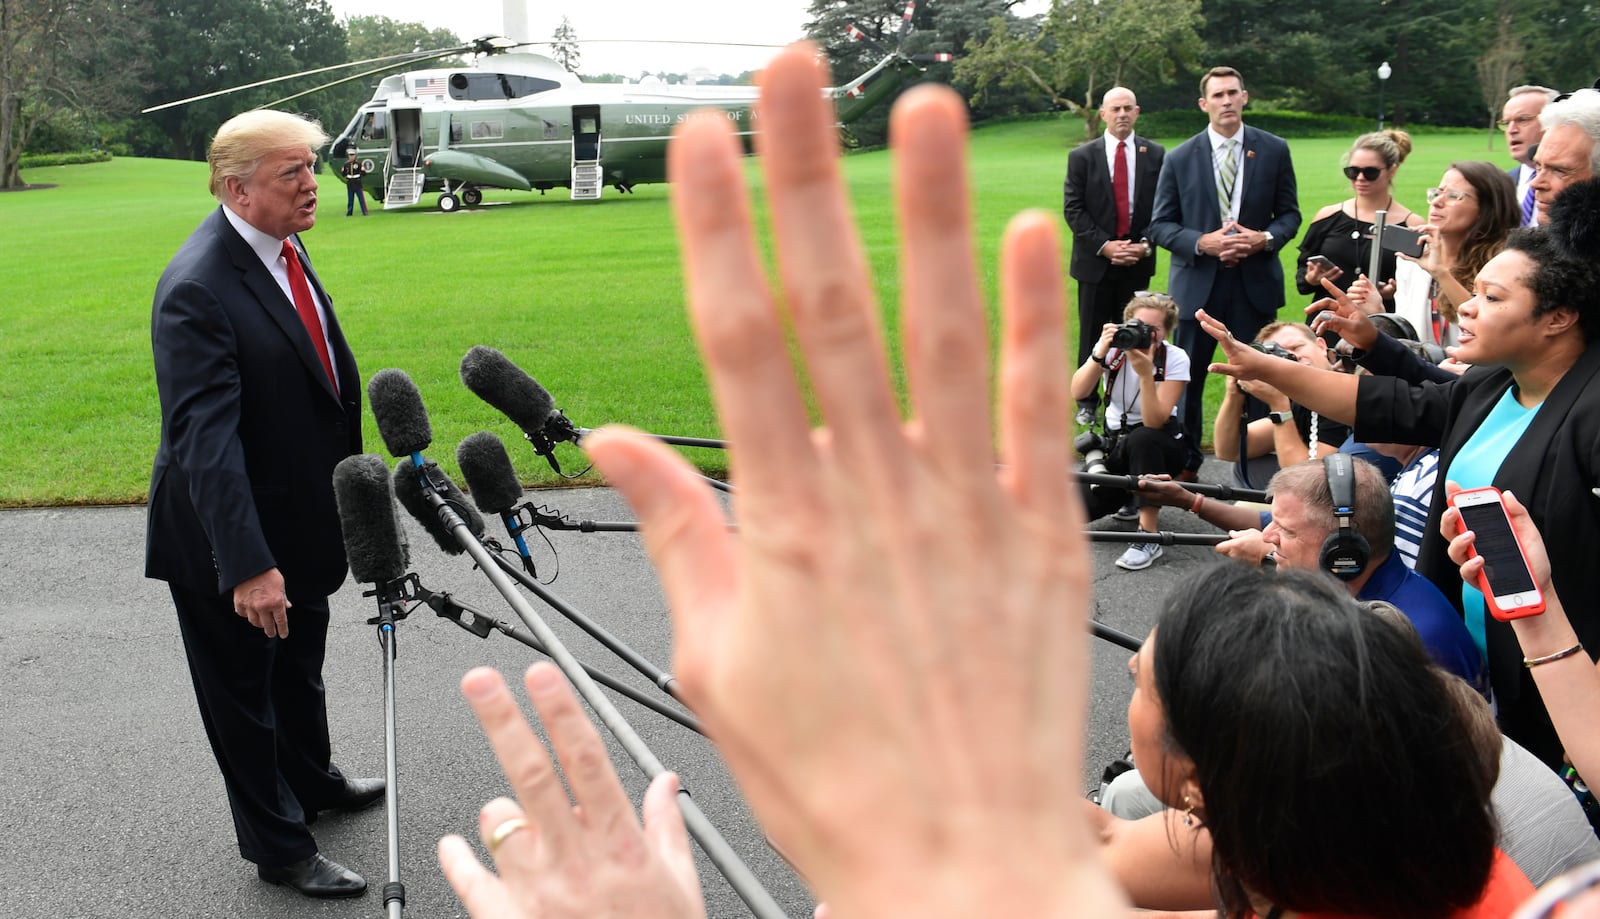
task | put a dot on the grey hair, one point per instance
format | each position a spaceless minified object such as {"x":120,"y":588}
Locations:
{"x":1581,"y":110}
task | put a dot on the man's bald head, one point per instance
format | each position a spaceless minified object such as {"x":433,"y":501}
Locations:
{"x":1119,"y":109}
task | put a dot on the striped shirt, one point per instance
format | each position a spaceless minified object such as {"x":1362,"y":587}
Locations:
{"x":1413,"y":496}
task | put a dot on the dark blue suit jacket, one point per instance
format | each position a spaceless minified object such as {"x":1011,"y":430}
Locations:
{"x":1186,"y":207}
{"x":251,"y":428}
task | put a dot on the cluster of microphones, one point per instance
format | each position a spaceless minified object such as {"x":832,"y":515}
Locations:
{"x":378,"y":554}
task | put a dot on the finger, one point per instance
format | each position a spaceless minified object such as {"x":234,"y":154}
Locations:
{"x":483,"y":894}
{"x":825,"y":279}
{"x":945,"y":329}
{"x":663,"y":826}
{"x":684,"y":530}
{"x":581,"y":753}
{"x":512,"y":840}
{"x":1459,"y":548}
{"x":522,"y":758}
{"x":280,"y":619}
{"x":1034,"y":396}
{"x":736,"y":324}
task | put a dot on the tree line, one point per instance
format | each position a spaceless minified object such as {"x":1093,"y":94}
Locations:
{"x":77,"y":71}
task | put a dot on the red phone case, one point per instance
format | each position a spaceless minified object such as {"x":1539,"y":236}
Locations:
{"x":1495,"y":610}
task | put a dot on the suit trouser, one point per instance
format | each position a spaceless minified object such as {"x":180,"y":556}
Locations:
{"x":1230,"y":305}
{"x":261,"y":700}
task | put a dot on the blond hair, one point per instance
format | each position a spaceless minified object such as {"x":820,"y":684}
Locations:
{"x":244,"y":141}
{"x":1154,"y":301}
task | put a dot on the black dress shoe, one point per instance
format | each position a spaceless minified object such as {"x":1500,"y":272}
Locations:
{"x":316,"y":876}
{"x":356,"y":794}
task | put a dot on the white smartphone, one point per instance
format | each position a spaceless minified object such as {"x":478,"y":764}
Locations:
{"x":1321,"y":261}
{"x":1507,"y":582}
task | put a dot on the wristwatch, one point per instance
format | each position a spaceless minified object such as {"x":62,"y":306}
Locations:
{"x":1280,"y":417}
{"x":1267,"y":235}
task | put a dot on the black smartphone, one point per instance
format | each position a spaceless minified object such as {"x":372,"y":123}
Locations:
{"x":1403,"y":240}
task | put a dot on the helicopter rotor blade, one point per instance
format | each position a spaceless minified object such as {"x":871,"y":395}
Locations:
{"x":939,"y":57}
{"x":339,"y":82}
{"x":905,"y":23}
{"x":856,"y":34}
{"x":409,"y":57}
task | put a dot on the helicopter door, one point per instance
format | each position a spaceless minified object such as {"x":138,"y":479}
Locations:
{"x":586,"y":174}
{"x":404,"y":186}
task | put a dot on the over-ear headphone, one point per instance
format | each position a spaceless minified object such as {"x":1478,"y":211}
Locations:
{"x":1345,"y":552}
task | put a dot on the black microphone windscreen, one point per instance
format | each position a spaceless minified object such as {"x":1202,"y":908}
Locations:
{"x":493,"y":378}
{"x":414,"y":498}
{"x":489,"y":473}
{"x":374,"y":542}
{"x":397,"y":408}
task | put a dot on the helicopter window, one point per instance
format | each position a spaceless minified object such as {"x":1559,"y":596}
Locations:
{"x":487,"y":130}
{"x":375,"y":126}
{"x":476,"y":87}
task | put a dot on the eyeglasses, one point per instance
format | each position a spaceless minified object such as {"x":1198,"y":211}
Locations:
{"x":1370,"y":173}
{"x":1152,"y":295}
{"x":1449,"y":194}
{"x":1519,"y":121}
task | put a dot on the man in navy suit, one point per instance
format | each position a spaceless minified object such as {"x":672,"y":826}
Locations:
{"x":260,"y":399}
{"x":1225,"y":204}
{"x":1111,"y":258}
{"x":1519,"y":119}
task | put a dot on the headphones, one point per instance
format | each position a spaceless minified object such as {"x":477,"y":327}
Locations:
{"x":1345,"y":552}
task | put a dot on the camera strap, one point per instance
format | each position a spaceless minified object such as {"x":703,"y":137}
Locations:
{"x":1159,"y":375}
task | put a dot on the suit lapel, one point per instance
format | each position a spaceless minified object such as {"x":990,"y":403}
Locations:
{"x":278,"y":307}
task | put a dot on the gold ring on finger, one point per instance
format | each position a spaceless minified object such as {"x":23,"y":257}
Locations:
{"x":502,"y":832}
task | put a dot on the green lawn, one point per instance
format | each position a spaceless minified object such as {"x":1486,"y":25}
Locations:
{"x":585,"y":297}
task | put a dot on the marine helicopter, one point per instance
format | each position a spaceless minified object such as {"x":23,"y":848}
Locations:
{"x":516,"y":120}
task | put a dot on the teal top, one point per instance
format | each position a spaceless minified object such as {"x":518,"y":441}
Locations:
{"x":1474,"y":466}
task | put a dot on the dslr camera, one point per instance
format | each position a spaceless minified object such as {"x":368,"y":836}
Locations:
{"x":1133,"y":335}
{"x":1276,"y":350}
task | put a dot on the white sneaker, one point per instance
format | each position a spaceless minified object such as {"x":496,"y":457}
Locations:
{"x":1139,"y":556}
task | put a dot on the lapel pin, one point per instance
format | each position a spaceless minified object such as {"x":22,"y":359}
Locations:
{"x":1249,"y":154}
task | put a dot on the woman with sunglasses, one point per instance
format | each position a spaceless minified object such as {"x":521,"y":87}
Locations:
{"x":1342,"y":233}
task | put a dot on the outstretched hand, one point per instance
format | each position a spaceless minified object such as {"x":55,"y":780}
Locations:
{"x":1342,"y":314}
{"x":1242,"y":361}
{"x":908,"y":732}
{"x":555,"y":860}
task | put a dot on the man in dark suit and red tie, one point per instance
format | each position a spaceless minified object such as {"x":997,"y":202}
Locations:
{"x":1225,"y":204}
{"x":1109,"y":191}
{"x":260,"y":399}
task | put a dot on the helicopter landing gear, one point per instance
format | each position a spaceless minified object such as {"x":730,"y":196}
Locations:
{"x":449,"y":202}
{"x":471,"y":197}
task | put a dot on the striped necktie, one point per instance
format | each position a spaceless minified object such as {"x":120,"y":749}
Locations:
{"x":1227,"y":172}
{"x":1528,"y":205}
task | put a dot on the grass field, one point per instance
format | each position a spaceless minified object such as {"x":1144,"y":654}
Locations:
{"x":586,"y":297}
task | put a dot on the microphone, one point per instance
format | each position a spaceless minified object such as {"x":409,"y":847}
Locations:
{"x":493,"y":378}
{"x":374,"y":543}
{"x":397,"y":408}
{"x":490,"y":476}
{"x":414,"y":497}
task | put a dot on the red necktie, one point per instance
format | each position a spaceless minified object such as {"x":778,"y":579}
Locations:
{"x":307,"y":309}
{"x":1119,"y":189}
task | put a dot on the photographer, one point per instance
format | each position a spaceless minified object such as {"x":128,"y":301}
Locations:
{"x":1289,"y":433}
{"x":1144,"y":379}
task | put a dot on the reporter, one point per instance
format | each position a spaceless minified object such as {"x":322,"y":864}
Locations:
{"x":1469,"y":215}
{"x":1526,"y":418}
{"x":1342,"y":233}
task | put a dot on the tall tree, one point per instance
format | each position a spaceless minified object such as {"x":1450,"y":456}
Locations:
{"x":60,"y":56}
{"x":206,"y":45}
{"x":564,"y":46}
{"x":1082,"y":49}
{"x":1500,"y":65}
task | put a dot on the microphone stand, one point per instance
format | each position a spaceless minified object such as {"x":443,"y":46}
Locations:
{"x":481,"y":624}
{"x":738,"y":874}
{"x":391,"y":609}
{"x":1131,"y":483}
{"x":1164,"y":537}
